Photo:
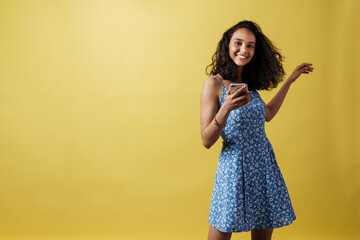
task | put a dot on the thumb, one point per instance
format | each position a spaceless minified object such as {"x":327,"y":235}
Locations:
{"x":228,"y":92}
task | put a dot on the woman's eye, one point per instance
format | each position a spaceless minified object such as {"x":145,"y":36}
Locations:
{"x":250,"y":46}
{"x":238,"y":43}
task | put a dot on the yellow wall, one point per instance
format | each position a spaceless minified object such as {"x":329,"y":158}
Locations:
{"x":99,"y":116}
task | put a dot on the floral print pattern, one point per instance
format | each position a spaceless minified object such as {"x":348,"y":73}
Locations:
{"x":249,"y":191}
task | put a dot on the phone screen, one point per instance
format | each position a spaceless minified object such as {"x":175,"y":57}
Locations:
{"x":236,"y":86}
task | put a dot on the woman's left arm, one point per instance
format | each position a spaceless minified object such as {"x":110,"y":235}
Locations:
{"x":274,"y":105}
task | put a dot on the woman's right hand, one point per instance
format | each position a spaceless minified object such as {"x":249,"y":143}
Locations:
{"x":236,"y":100}
{"x":209,"y":109}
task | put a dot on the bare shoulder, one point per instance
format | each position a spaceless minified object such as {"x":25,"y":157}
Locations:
{"x":212,"y":87}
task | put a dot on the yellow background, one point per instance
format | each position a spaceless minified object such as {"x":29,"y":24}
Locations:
{"x":99,"y":116}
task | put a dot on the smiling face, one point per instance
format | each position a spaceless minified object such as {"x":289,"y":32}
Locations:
{"x":242,"y":46}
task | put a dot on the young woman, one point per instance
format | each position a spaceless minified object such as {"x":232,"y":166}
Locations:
{"x":249,"y":193}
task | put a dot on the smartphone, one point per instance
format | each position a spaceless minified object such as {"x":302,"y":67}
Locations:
{"x":236,"y":86}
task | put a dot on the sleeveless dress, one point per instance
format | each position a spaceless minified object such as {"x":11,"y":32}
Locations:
{"x":249,"y":191}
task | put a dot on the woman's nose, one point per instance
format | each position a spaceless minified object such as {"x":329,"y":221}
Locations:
{"x":243,"y":48}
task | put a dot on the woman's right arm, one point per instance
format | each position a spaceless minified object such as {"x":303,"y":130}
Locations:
{"x":209,"y":106}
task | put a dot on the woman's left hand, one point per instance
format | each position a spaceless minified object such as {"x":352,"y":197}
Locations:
{"x":303,"y":68}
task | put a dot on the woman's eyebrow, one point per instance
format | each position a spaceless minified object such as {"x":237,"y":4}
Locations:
{"x":243,"y":40}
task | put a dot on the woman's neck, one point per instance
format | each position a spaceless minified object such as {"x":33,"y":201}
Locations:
{"x":239,"y":75}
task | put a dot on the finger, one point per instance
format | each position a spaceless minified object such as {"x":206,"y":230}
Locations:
{"x":241,"y":99}
{"x":303,"y":65}
{"x":239,"y":91}
{"x":243,"y":103}
{"x":308,"y":69}
{"x":306,"y":64}
{"x":227,"y":93}
{"x":304,"y":69}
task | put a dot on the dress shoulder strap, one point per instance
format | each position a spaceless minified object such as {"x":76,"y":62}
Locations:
{"x":219,"y":81}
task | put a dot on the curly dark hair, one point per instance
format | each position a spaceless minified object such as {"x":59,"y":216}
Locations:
{"x":265,"y":69}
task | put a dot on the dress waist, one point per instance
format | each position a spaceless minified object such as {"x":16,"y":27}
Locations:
{"x":245,"y":140}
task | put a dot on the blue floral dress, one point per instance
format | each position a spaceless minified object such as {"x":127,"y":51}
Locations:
{"x":249,"y":191}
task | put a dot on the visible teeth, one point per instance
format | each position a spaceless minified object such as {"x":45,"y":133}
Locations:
{"x":242,"y":57}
